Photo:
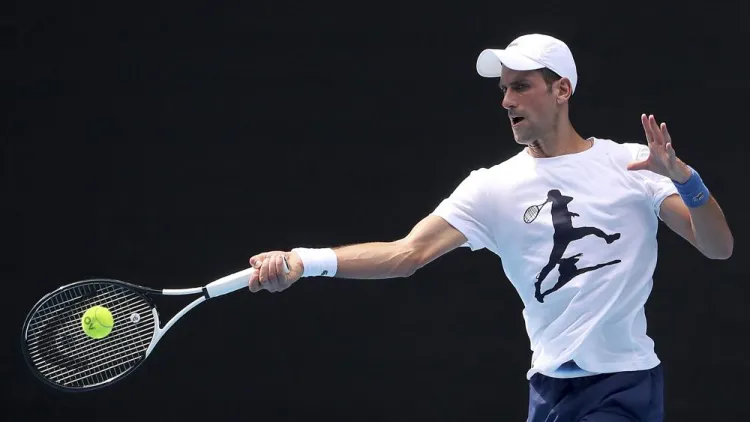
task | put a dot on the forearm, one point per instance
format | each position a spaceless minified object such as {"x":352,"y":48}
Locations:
{"x":429,"y":239}
{"x":376,"y":260}
{"x":709,"y":225}
{"x":712,"y":235}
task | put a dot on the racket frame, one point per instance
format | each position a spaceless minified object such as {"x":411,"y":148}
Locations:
{"x":221,"y":286}
{"x":140,"y":290}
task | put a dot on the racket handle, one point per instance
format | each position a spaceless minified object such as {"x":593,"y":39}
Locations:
{"x":228,"y":284}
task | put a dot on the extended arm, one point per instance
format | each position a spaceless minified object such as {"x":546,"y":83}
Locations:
{"x":428,"y":240}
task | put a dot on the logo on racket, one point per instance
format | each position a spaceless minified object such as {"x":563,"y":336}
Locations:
{"x":135,"y":317}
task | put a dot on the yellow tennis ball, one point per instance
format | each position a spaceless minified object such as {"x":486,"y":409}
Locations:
{"x":97,"y":322}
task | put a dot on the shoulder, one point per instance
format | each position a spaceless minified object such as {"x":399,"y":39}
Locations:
{"x":482,"y":183}
{"x":512,"y":166}
{"x":498,"y":172}
{"x":623,"y":152}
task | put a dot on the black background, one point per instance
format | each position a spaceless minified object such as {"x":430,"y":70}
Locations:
{"x":164,"y":144}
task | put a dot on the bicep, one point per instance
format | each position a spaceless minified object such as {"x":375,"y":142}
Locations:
{"x":676,"y":216}
{"x":433,"y":237}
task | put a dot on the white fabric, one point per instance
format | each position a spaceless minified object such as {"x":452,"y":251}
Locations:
{"x":530,"y":52}
{"x":597,"y":318}
{"x":321,"y":262}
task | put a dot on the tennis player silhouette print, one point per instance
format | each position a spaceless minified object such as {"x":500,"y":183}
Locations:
{"x":565,"y":233}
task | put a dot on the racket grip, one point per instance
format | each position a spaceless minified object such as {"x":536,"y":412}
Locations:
{"x":228,"y":284}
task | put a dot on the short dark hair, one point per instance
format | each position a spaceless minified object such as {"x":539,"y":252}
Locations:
{"x":549,"y":77}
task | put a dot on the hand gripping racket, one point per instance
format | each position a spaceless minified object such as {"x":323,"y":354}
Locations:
{"x":59,"y":352}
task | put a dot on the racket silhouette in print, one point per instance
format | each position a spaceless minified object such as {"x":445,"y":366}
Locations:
{"x":59,"y":352}
{"x":532,"y":212}
{"x":564,"y":235}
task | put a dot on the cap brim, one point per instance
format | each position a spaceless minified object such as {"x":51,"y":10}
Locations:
{"x":490,"y":62}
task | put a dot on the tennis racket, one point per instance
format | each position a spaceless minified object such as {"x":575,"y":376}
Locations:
{"x":532,"y":212}
{"x":61,"y":355}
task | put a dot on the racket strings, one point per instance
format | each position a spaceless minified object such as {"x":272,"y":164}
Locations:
{"x":62,"y":353}
{"x":531,"y":213}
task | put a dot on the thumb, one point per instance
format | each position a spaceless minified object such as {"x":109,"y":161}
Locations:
{"x":638,"y":165}
{"x":256,"y":260}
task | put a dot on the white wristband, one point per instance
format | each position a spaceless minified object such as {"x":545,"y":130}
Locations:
{"x":317,"y":262}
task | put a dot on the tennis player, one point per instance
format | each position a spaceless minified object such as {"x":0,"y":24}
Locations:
{"x":574,"y":220}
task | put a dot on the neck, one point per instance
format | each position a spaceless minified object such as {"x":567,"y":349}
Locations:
{"x":561,"y":141}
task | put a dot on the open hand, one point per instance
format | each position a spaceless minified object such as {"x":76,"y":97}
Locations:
{"x":662,"y":158}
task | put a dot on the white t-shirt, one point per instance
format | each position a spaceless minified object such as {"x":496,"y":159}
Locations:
{"x":593,"y":244}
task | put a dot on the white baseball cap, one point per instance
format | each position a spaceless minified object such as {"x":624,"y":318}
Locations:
{"x":530,"y":52}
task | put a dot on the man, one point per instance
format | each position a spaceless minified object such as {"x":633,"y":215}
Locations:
{"x":583,"y":265}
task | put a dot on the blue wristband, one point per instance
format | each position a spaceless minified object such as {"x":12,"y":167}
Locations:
{"x":693,"y":192}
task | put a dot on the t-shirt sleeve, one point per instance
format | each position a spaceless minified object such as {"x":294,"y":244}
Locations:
{"x":658,"y":187}
{"x":468,"y":210}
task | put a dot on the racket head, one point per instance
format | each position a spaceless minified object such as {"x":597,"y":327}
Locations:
{"x":62,"y":356}
{"x":531,"y":213}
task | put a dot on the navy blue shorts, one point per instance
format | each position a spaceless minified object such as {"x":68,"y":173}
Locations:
{"x":617,"y":397}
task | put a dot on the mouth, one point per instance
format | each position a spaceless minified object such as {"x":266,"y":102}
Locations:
{"x":515,"y":121}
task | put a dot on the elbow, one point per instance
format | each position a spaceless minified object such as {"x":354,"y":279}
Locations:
{"x":411,"y":265}
{"x":723,"y":252}
{"x":411,"y":260}
{"x":719,"y":256}
{"x":409,"y":270}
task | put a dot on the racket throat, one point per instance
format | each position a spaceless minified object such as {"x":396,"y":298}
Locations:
{"x":158,"y":332}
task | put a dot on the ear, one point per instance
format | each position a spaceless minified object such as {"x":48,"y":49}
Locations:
{"x":564,"y":90}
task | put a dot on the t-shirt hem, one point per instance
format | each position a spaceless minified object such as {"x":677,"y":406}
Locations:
{"x":603,"y":368}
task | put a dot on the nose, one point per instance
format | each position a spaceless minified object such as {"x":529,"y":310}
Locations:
{"x":509,"y":100}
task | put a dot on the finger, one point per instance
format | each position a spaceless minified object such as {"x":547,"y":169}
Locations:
{"x":281,"y":277}
{"x":275,"y":287}
{"x":668,"y":141}
{"x":254,"y":284}
{"x":665,"y":133}
{"x":263,"y":272}
{"x":671,"y":151}
{"x":280,"y":268}
{"x":256,"y":260}
{"x":647,"y":128}
{"x":273,"y":275}
{"x":269,"y":286}
{"x":655,"y":132}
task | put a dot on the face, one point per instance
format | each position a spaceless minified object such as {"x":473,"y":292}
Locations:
{"x":532,"y":106}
